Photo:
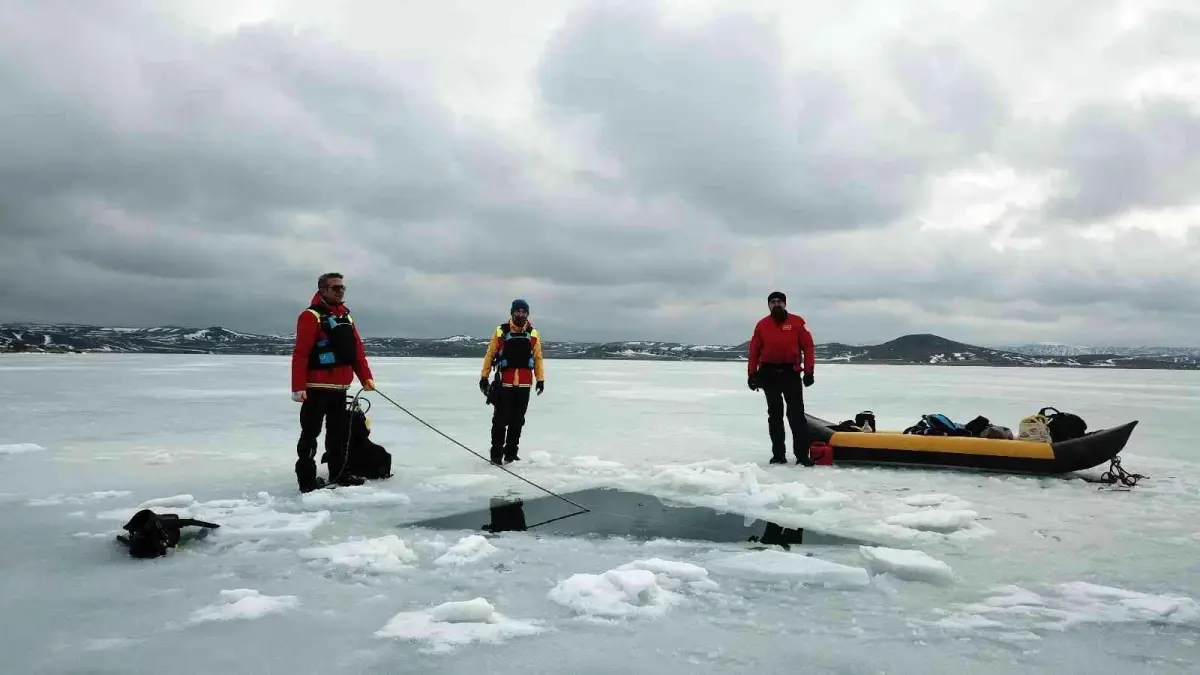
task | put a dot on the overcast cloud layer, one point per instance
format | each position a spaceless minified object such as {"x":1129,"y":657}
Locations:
{"x":995,"y":173}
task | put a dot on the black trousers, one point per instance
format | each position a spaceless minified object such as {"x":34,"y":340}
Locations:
{"x":326,"y":406}
{"x":508,"y":418}
{"x":782,"y":385}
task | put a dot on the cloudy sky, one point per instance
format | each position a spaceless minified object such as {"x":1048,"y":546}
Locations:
{"x":994,"y":172}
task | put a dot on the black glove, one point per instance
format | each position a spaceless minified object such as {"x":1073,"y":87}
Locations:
{"x":752,"y":382}
{"x":483,"y":385}
{"x":541,"y":386}
{"x":808,"y":379}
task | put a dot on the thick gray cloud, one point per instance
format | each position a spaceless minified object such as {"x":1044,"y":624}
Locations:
{"x":714,"y":115}
{"x":972,"y":173}
{"x":1121,"y":156}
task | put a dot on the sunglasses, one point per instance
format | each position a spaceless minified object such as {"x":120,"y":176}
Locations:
{"x":338,"y":289}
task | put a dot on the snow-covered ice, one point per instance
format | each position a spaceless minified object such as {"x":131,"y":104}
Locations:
{"x":453,"y":624}
{"x":619,"y":592}
{"x":776,"y":566}
{"x":948,"y":571}
{"x":468,"y":550}
{"x":906,"y":564}
{"x":379,"y":555}
{"x":939,"y":520}
{"x":19,"y":448}
{"x":244,"y":604}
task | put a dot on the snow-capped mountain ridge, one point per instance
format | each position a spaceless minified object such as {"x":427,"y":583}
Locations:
{"x":905,"y":350}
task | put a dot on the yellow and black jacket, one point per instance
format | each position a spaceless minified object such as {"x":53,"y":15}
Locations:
{"x":517,"y":352}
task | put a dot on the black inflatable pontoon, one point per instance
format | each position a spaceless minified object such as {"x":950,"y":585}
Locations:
{"x":970,"y":452}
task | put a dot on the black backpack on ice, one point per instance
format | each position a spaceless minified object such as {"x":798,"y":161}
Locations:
{"x":367,"y":459}
{"x":150,"y":534}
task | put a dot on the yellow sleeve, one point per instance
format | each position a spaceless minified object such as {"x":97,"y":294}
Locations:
{"x":493,"y":347}
{"x":539,"y":370}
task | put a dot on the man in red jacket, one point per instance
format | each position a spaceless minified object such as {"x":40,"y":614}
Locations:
{"x":327,"y":355}
{"x":776,"y":347}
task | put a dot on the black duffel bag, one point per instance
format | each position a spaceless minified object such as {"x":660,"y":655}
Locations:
{"x":1064,"y":426}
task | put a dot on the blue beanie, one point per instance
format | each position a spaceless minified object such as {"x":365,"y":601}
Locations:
{"x":518,"y":304}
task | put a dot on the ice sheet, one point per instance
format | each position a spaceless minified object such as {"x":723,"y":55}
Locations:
{"x":1043,"y":569}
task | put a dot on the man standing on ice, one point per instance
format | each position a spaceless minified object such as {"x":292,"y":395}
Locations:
{"x":776,"y":347}
{"x":327,"y":355}
{"x":516,"y":350}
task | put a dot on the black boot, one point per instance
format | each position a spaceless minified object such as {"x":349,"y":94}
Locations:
{"x":306,"y":469}
{"x":778,"y":459}
{"x":306,"y":476}
{"x":497,"y":455}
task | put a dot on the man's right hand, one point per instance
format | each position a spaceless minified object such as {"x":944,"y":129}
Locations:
{"x":483,"y":385}
{"x":752,"y":382}
{"x":299,"y":396}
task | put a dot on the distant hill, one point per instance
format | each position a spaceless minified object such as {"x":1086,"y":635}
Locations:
{"x":915,"y":349}
{"x":1177,"y":354}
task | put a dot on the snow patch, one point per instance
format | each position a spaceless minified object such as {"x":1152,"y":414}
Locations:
{"x":938,"y":520}
{"x":19,"y":448}
{"x":540,"y":458}
{"x":108,"y":644}
{"x":382,"y":555}
{"x":459,"y":481}
{"x":773,"y":566}
{"x":643,"y":588}
{"x":1019,"y":611}
{"x":672,"y":574}
{"x":725,"y":484}
{"x":468,"y":550}
{"x":244,"y":604}
{"x":173,"y":502}
{"x":615,"y":593}
{"x":353,"y":496}
{"x":591,"y":463}
{"x":929,"y":499}
{"x":58,"y":499}
{"x":905,"y":564}
{"x":160,"y":457}
{"x":453,"y":624}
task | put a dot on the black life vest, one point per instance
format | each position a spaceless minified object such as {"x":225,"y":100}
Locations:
{"x":335,"y":345}
{"x":516,"y":348}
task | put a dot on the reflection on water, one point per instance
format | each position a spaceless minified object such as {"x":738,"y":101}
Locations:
{"x":617,"y":513}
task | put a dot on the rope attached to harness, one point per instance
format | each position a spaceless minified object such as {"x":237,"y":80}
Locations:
{"x":583,"y":509}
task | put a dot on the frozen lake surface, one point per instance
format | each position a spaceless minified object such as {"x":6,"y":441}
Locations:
{"x":959,"y":572}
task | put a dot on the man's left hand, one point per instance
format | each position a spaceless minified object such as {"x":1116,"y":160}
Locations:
{"x":808,"y":379}
{"x":369,"y":385}
{"x":541,"y":386}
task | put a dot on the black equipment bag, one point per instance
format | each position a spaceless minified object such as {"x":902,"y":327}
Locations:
{"x":151,"y":534}
{"x":1064,"y":426}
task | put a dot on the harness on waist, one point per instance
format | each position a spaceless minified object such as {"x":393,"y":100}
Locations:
{"x":335,"y":344}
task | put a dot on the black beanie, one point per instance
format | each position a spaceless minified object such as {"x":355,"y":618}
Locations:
{"x":777,"y":294}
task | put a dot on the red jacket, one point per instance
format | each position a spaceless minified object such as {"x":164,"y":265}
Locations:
{"x":308,"y":328}
{"x":781,"y":343}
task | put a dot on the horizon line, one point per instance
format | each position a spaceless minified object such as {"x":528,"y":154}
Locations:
{"x":998,"y":346}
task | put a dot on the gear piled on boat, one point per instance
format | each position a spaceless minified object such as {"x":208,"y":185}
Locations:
{"x":1047,"y":444}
